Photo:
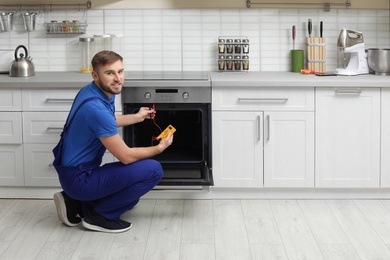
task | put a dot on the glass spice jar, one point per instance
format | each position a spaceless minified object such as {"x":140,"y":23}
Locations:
{"x":237,"y":46}
{"x":229,"y":46}
{"x":75,"y":26}
{"x":245,"y":62}
{"x":221,"y":46}
{"x":237,"y":62}
{"x":221,"y":62}
{"x":65,"y":26}
{"x":229,"y":62}
{"x":245,"y":46}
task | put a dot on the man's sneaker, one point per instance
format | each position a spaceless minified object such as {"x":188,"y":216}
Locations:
{"x":67,"y":209}
{"x":96,"y":222}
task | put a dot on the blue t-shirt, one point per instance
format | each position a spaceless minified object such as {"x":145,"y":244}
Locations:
{"x":95,"y":119}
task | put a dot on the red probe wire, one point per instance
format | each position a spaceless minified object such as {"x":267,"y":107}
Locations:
{"x":153,"y":118}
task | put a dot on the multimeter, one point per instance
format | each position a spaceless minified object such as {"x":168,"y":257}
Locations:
{"x":169,"y":129}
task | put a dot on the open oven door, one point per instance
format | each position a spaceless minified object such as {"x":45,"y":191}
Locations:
{"x":187,"y":175}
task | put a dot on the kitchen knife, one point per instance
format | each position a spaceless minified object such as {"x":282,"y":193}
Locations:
{"x":321,"y":28}
{"x":309,"y":27}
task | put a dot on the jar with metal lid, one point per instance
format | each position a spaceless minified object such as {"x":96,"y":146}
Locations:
{"x":237,"y":46}
{"x":245,"y":62}
{"x":221,"y":62}
{"x":75,"y":26}
{"x":221,"y":46}
{"x":116,"y":43}
{"x":245,"y":46}
{"x":65,"y":28}
{"x":87,"y":51}
{"x":102,"y":42}
{"x":237,"y":62}
{"x":229,"y":62}
{"x":229,"y":46}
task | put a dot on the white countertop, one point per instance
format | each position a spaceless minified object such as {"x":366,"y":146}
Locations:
{"x":219,"y":79}
{"x":290,"y":79}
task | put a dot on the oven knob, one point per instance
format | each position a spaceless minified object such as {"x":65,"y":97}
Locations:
{"x":148,"y":95}
{"x":186,"y":95}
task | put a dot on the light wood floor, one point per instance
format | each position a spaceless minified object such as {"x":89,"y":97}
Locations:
{"x":205,"y":229}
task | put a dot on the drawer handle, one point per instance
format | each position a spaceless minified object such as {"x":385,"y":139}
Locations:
{"x":54,"y":129}
{"x":59,"y":100}
{"x":258,"y":119}
{"x":282,"y":100}
{"x":355,"y":91}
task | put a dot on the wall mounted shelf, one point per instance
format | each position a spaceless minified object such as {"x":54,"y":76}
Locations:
{"x":327,"y":6}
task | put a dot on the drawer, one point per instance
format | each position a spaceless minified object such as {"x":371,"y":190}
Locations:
{"x":53,"y":100}
{"x":43,"y":127}
{"x":10,"y":100}
{"x":48,"y":100}
{"x":10,"y":127}
{"x":265,"y":99}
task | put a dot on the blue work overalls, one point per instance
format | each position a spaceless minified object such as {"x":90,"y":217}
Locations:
{"x":110,"y":189}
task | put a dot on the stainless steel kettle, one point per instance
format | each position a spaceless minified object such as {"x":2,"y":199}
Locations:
{"x":23,"y":66}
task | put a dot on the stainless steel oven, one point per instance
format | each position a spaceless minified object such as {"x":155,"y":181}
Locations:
{"x":183,"y":100}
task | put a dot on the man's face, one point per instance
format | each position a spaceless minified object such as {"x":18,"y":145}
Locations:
{"x":110,"y":78}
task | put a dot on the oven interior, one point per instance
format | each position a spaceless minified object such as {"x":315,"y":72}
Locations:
{"x":190,"y":152}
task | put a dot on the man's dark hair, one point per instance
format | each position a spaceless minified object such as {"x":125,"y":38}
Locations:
{"x":103,"y":58}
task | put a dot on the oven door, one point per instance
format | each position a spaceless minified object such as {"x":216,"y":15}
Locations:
{"x":188,"y":160}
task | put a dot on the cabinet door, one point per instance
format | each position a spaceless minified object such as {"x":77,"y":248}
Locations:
{"x":385,"y":138}
{"x":10,"y":127}
{"x":347,"y":137}
{"x":11,"y":165}
{"x":289,"y":149}
{"x":238,"y":149}
{"x":10,"y":100}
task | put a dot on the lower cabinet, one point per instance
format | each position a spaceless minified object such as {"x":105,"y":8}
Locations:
{"x":348,"y":137}
{"x":385,"y":138}
{"x":11,"y":165}
{"x":263,"y":149}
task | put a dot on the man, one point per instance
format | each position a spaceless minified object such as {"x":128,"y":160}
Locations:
{"x":96,"y":195}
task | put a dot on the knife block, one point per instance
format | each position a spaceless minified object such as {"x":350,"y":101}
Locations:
{"x":316,"y":60}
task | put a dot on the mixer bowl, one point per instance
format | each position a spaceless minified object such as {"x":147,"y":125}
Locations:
{"x":379,"y":61}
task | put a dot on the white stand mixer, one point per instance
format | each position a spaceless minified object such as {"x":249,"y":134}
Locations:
{"x":351,"y":41}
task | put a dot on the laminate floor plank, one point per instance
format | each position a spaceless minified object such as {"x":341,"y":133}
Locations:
{"x":260,"y":223}
{"x":94,"y":245}
{"x":197,"y":252}
{"x":268,"y":252}
{"x":5,"y":205}
{"x":57,"y":250}
{"x":339,"y":252}
{"x":231,"y":239}
{"x":322,"y":222}
{"x":359,"y":231}
{"x":165,"y":231}
{"x":378,"y":215}
{"x":296,"y":235}
{"x":35,"y":232}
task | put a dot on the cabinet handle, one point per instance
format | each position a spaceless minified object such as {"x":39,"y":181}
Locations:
{"x":268,"y":128}
{"x":59,"y":100}
{"x":282,"y":100}
{"x":258,"y":128}
{"x":54,"y":129}
{"x":354,"y":91}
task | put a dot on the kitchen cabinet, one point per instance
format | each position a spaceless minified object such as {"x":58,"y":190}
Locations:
{"x":263,"y":137}
{"x":385,"y":137}
{"x":11,"y":149}
{"x":347,"y":137}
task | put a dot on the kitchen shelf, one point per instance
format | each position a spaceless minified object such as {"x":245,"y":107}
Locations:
{"x":66,"y":28}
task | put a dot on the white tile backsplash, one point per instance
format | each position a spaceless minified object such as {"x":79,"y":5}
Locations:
{"x":186,"y":39}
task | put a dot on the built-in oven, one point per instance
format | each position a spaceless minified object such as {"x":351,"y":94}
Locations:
{"x":183,"y":100}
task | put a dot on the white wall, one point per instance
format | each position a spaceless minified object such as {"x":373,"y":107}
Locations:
{"x":186,"y":39}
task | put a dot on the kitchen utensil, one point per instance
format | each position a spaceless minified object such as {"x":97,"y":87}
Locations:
{"x":352,"y":42}
{"x":29,"y":20}
{"x":379,"y":61}
{"x":293,"y":36}
{"x":309,"y":27}
{"x":23,"y":66}
{"x":6,"y":57}
{"x":321,"y":29}
{"x":6,"y":21}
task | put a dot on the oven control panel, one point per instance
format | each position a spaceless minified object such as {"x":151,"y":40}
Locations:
{"x":166,"y":95}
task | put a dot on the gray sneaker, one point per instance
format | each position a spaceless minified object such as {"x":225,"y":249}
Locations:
{"x":94,"y":221}
{"x":67,"y":209}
